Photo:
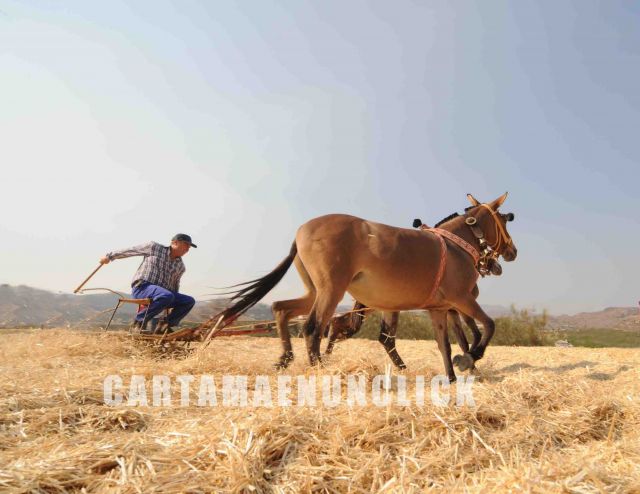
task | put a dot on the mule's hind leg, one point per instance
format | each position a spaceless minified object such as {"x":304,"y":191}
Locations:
{"x":284,"y":310}
{"x":319,"y":317}
{"x":439,"y":319}
{"x":464,"y":361}
{"x":388,"y":328}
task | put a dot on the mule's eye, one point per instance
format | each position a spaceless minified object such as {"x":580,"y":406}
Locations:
{"x":508,"y":217}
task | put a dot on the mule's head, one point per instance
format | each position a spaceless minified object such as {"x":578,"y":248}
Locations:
{"x":494,"y":226}
{"x":346,"y":325}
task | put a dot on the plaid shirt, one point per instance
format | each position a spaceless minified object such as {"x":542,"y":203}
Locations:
{"x":157,"y":267}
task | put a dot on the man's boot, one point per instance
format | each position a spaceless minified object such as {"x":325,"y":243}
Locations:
{"x":164,"y":327}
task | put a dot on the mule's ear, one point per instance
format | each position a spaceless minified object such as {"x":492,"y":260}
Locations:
{"x":474,"y":202}
{"x":498,"y":202}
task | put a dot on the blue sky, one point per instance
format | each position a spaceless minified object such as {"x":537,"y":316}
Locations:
{"x":124,"y":122}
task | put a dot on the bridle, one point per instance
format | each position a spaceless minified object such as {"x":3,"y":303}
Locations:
{"x":486,"y":261}
{"x":500,"y":233}
{"x":489,"y":253}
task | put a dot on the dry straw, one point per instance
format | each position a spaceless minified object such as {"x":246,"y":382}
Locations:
{"x":546,"y":420}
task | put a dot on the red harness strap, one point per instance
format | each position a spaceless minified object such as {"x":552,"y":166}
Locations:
{"x":459,"y":242}
{"x":440,"y":233}
{"x":443,"y":264}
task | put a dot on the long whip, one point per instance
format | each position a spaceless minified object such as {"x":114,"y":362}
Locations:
{"x":88,"y":278}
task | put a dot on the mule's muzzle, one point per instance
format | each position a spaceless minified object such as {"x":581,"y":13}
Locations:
{"x":494,"y":267}
{"x":510,"y":253}
{"x":338,"y":334}
{"x":341,"y":335}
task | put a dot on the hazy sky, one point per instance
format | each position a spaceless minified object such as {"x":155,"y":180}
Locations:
{"x":235,"y":122}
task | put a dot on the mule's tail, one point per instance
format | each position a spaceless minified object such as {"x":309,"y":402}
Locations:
{"x":255,"y":290}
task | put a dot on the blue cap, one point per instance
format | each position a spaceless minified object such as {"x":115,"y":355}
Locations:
{"x":183,"y":237}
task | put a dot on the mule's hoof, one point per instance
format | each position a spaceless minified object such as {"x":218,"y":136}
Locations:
{"x":463,"y":362}
{"x":452,"y":379}
{"x":399,"y":363}
{"x":284,"y":361}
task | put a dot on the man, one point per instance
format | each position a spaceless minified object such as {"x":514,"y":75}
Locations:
{"x":158,"y":278}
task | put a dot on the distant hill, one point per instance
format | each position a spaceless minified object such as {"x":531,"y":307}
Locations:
{"x":627,"y":318}
{"x":496,"y":310}
{"x":26,"y":306}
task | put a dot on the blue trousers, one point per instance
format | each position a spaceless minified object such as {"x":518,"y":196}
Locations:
{"x":163,"y":299}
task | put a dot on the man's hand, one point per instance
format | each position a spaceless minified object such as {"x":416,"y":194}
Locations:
{"x":105,"y":260}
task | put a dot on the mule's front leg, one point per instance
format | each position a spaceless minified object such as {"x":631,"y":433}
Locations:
{"x":477,"y":335}
{"x":472,"y":310}
{"x":283,"y":311}
{"x":388,"y":328}
{"x":464,"y":361}
{"x":327,"y":297}
{"x":439,"y":319}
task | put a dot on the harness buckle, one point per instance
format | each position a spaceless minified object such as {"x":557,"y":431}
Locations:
{"x":470,"y":221}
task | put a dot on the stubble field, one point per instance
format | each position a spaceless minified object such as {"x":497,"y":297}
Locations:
{"x":545,"y":420}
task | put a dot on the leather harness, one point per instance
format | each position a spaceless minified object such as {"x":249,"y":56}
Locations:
{"x":479,"y":259}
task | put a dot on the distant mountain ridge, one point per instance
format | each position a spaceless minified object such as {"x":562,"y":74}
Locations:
{"x":26,"y":306}
{"x":626,"y":318}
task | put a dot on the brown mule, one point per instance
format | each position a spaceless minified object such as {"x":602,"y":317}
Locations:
{"x":347,"y":325}
{"x":384,"y":267}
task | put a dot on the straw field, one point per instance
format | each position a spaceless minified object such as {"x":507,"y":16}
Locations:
{"x":545,"y":420}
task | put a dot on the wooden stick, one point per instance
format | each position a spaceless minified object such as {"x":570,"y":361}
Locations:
{"x":213,"y":331}
{"x":88,"y":278}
